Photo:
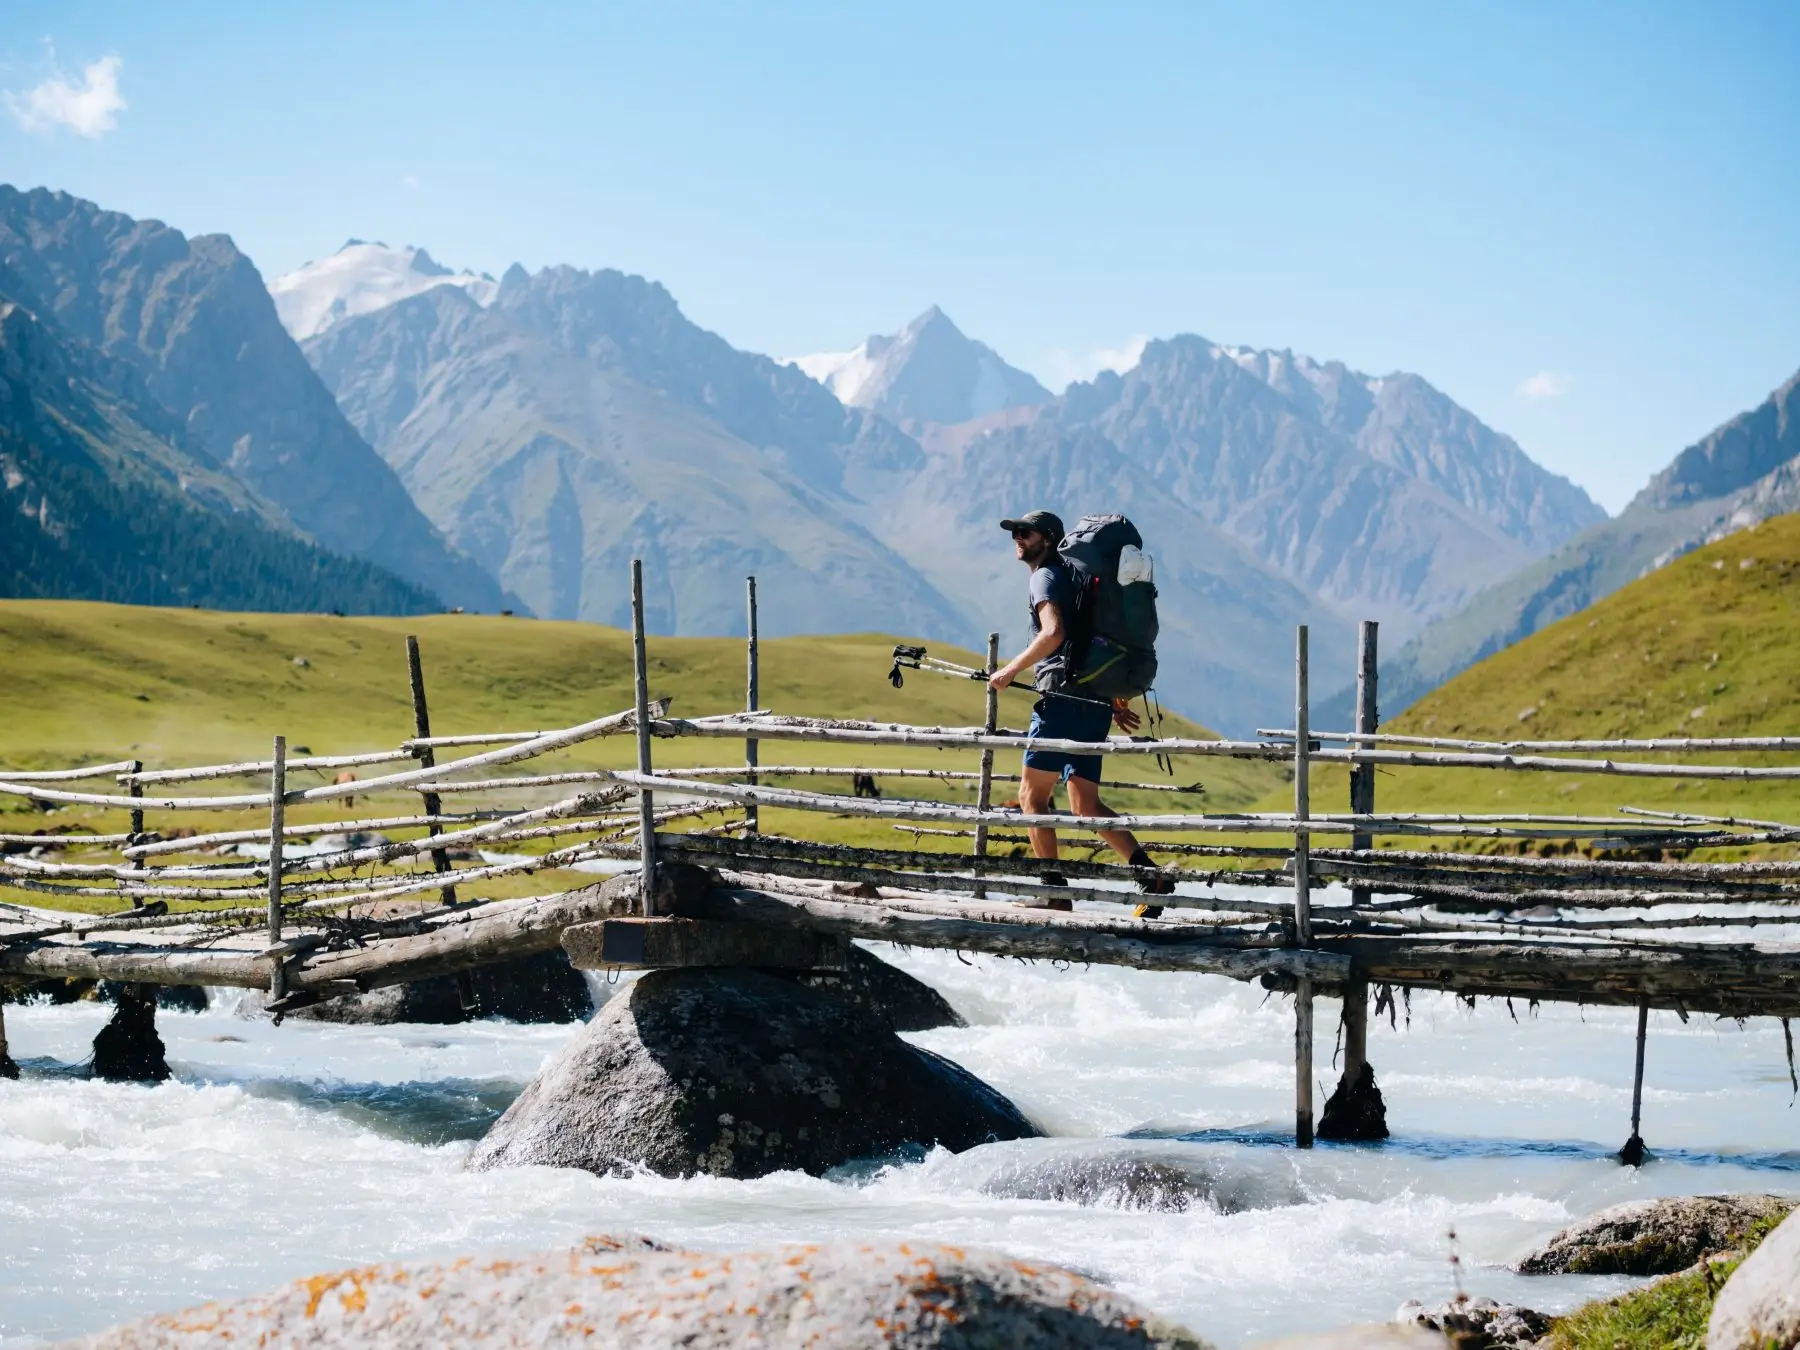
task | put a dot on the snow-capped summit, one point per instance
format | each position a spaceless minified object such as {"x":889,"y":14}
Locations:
{"x":927,"y":372}
{"x":361,"y":278}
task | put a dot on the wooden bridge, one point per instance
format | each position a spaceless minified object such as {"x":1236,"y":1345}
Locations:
{"x":1648,"y":929}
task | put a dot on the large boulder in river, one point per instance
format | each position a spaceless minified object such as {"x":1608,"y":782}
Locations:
{"x":540,"y":988}
{"x":905,"y":1003}
{"x":1653,"y":1237}
{"x":739,"y":1073}
{"x":631,"y":1294}
{"x":1760,"y":1304}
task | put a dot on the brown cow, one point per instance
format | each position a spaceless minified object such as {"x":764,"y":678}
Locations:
{"x":346,"y":777}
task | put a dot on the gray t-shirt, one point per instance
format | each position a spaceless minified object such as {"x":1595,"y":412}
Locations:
{"x":1053,"y":583}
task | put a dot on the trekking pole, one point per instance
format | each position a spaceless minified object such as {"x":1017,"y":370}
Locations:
{"x":914,"y":658}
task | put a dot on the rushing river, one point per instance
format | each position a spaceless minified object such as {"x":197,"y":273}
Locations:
{"x":279,"y":1152}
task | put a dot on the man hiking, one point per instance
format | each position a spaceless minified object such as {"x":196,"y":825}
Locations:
{"x":1053,"y":651}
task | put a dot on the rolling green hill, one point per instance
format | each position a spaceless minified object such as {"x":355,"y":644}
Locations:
{"x":87,"y":682}
{"x":1708,"y":645}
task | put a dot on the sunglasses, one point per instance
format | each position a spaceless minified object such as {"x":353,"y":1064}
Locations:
{"x":1023,"y":534}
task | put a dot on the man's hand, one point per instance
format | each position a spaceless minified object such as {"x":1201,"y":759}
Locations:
{"x":1122,"y":714}
{"x":1001,"y":678}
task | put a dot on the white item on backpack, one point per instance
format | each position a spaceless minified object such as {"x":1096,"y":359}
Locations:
{"x":1135,"y":565}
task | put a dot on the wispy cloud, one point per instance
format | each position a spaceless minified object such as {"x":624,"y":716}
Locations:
{"x":1067,"y":367}
{"x":1545,"y":384}
{"x":89,"y":106}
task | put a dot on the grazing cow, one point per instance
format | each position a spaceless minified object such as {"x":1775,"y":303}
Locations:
{"x":346,"y":777}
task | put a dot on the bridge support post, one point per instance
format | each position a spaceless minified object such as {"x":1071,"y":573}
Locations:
{"x":427,"y":757}
{"x":1303,"y":989}
{"x":984,"y":794}
{"x":1355,"y":1109}
{"x":137,"y":817}
{"x":277,"y":823}
{"x":750,"y":698}
{"x":1632,"y":1155}
{"x":641,"y":682}
{"x":8,"y":1069}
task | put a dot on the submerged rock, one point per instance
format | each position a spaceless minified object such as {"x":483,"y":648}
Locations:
{"x":739,"y":1073}
{"x":636,"y":1295}
{"x":127,"y":1049}
{"x":905,"y":1003}
{"x":1760,"y":1304}
{"x":1479,"y":1323}
{"x":1371,"y":1336}
{"x":1137,"y":1177}
{"x":1653,"y":1237}
{"x":1113,"y":1181}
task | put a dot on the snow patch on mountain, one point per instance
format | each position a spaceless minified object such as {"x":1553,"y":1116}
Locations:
{"x":928,"y":372}
{"x":361,"y":278}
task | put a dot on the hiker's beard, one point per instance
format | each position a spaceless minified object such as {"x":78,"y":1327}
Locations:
{"x":1037,"y":552}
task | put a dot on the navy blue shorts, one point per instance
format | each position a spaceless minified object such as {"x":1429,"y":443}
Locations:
{"x":1067,"y":719}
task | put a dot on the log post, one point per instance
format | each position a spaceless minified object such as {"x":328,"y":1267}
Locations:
{"x":1632,"y":1155}
{"x":640,"y":666}
{"x":984,"y":793}
{"x":433,"y":805}
{"x":8,"y":1069}
{"x":1355,"y":1109}
{"x":1303,"y":990}
{"x":415,"y":674}
{"x":137,"y":816}
{"x":277,"y":822}
{"x":750,"y":696}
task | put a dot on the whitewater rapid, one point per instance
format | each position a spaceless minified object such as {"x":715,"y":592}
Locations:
{"x":285,"y":1151}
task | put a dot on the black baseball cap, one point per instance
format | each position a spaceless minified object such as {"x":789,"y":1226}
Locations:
{"x":1046,"y":523}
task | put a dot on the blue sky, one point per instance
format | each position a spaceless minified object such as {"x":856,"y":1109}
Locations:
{"x":1581,"y":221}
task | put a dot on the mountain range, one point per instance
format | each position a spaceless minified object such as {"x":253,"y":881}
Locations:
{"x":1743,"y":472}
{"x":184,"y":331}
{"x":574,"y":419}
{"x":375,"y":429}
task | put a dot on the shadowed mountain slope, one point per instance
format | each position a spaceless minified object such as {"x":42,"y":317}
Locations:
{"x":103,"y":502}
{"x":192,"y":321}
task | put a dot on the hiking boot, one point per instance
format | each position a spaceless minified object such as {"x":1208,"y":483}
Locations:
{"x":1062,"y":904}
{"x":1155,"y":885}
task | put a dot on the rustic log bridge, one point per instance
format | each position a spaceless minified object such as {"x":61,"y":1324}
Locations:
{"x":778,"y":902}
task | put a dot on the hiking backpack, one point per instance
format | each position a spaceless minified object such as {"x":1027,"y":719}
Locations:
{"x":1115,"y":648}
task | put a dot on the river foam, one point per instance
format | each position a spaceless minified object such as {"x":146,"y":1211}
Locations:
{"x":279,"y":1152}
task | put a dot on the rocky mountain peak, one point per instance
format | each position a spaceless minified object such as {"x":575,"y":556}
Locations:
{"x":928,"y":372}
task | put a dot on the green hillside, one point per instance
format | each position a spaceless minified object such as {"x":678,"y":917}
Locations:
{"x":1706,"y":646}
{"x":92,"y":682}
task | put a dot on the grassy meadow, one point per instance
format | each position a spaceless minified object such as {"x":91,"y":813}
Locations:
{"x":88,"y":682}
{"x":1707,"y":646}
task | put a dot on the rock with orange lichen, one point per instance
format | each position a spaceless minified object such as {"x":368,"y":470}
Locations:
{"x":738,"y":1073}
{"x":633,"y":1294}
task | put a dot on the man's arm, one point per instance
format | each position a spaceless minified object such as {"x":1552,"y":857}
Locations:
{"x":1049,"y":638}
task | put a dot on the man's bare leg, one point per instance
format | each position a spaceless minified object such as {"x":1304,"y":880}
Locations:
{"x":1084,"y":800}
{"x":1037,"y":797}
